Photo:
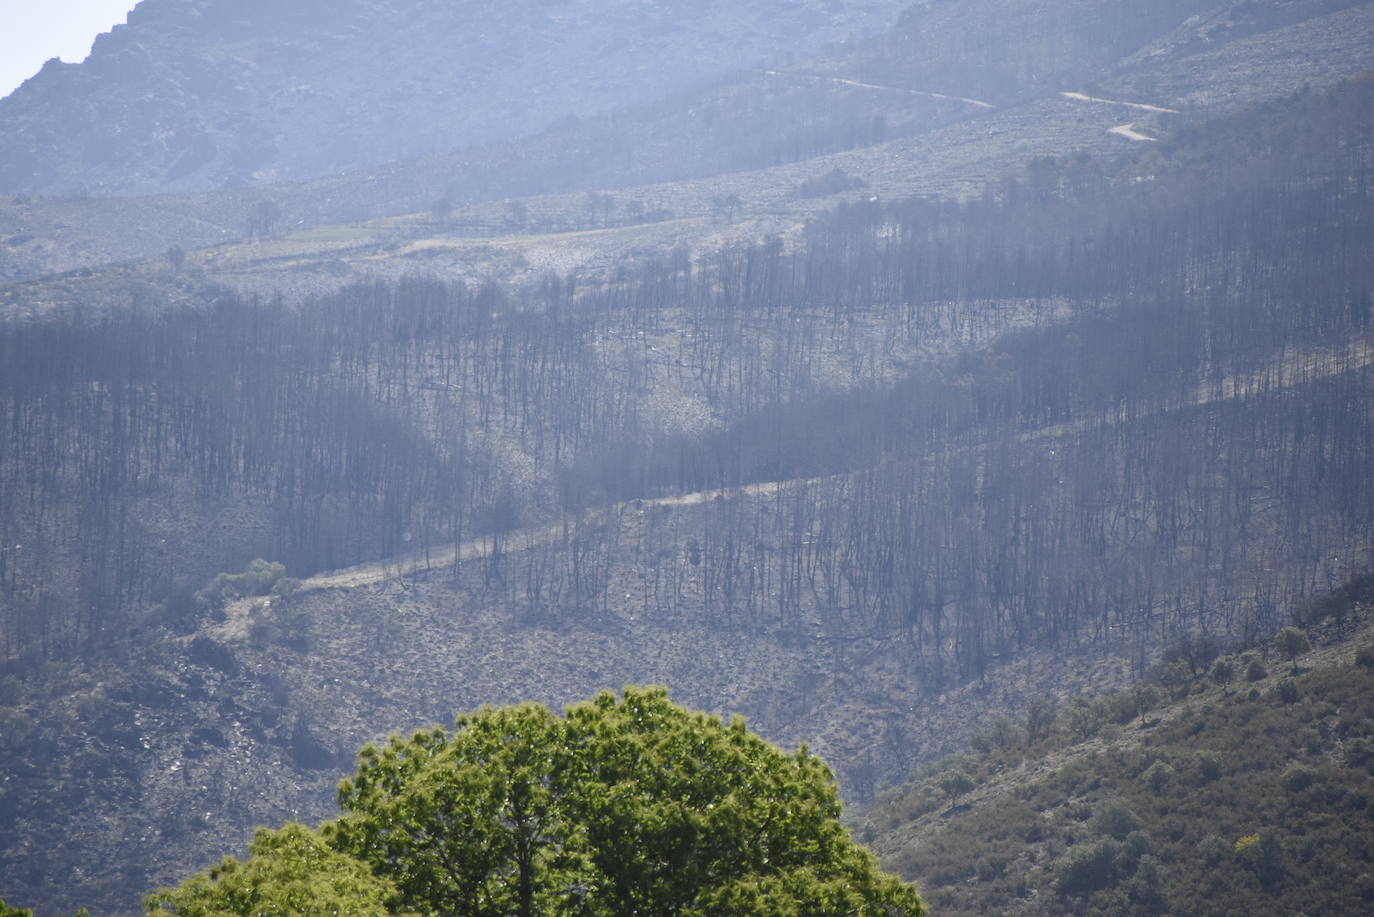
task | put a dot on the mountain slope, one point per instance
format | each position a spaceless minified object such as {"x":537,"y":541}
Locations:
{"x":867,"y":487}
{"x":952,"y":398}
{"x":780,"y":128}
{"x":199,"y":94}
{"x":1248,"y":798}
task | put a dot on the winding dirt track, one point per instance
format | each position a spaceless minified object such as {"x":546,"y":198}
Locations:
{"x":1083,"y":97}
{"x":1130,"y":133}
{"x":1296,"y":368}
{"x":862,"y":85}
{"x":478,"y":548}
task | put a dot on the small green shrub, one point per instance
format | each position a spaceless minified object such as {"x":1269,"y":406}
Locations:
{"x":1088,"y":867}
{"x":1292,"y":643}
{"x":1359,"y":752}
{"x":258,"y":578}
{"x":1213,"y":849}
{"x":1298,"y":777}
{"x":1086,"y":717}
{"x":1158,"y":775}
{"x":1114,"y":819}
{"x":1149,"y":757}
{"x":1209,"y":766}
{"x":1002,"y":733}
{"x":1288,"y":691}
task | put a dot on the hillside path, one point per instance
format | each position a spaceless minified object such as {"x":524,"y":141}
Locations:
{"x":1295,"y":368}
{"x":1083,"y":97}
{"x":862,"y":85}
{"x":521,"y":539}
{"x":1130,"y":133}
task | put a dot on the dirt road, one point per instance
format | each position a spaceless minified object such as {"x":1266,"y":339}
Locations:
{"x":1302,"y":366}
{"x":1130,"y":133}
{"x":862,"y":85}
{"x":1083,"y":97}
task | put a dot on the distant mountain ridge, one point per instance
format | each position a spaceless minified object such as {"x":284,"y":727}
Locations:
{"x":195,"y":95}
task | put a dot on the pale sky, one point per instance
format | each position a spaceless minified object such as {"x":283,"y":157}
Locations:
{"x":31,"y":31}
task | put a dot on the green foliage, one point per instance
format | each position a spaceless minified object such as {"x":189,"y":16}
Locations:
{"x":1086,"y":716}
{"x":1222,"y":674}
{"x":1298,"y":777}
{"x":1175,"y":678}
{"x":1088,"y":867}
{"x":1292,"y":643}
{"x":1256,"y":671}
{"x":1041,"y":712}
{"x":1146,"y":887}
{"x":1262,"y":853}
{"x":7,"y":911}
{"x":1359,"y":752}
{"x":1135,"y":702}
{"x":955,"y":783}
{"x":1212,"y":850}
{"x":1157,"y":776}
{"x":1003,"y":733}
{"x":289,"y":872}
{"x":258,"y":578}
{"x":286,"y":587}
{"x":634,"y":806}
{"x":1288,"y":691}
{"x":1114,"y":819}
{"x":1209,"y":766}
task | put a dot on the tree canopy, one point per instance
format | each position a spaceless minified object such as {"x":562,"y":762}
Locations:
{"x":628,"y":805}
{"x":623,"y":806}
{"x":293,"y":871}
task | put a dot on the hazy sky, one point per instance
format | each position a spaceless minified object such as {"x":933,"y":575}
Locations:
{"x":31,"y":31}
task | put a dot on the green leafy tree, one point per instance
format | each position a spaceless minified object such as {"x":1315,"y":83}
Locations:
{"x":1175,"y":678}
{"x":1113,"y":818}
{"x":1298,"y":777}
{"x":1223,"y":674}
{"x":471,"y":822}
{"x":622,"y":806}
{"x":289,"y":872}
{"x":7,"y":911}
{"x":1292,"y":643}
{"x":956,"y":783}
{"x":1158,"y":775}
{"x":1088,"y":867}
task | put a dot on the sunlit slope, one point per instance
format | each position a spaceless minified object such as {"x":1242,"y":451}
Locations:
{"x":776,"y":128}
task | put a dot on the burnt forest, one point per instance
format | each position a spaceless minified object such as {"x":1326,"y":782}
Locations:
{"x":906,"y":378}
